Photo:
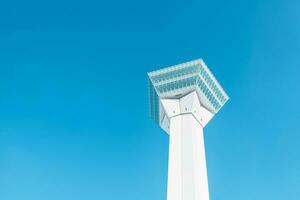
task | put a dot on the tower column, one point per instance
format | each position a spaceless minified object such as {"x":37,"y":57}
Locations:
{"x":187,"y":175}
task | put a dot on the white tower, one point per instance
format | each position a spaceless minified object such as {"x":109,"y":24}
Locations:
{"x":183,"y":99}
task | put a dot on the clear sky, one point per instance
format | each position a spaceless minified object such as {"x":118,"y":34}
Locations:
{"x":73,"y":97}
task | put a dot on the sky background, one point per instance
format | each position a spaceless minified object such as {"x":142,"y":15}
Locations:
{"x":74,"y":119}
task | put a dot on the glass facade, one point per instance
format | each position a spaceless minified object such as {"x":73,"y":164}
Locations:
{"x":180,"y":79}
{"x":153,"y":102}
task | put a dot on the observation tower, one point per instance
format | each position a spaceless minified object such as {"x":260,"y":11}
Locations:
{"x":183,"y":99}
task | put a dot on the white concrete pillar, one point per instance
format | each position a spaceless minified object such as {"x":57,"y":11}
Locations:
{"x":187,"y":174}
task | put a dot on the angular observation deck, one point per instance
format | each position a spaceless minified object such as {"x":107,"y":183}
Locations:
{"x":178,"y":80}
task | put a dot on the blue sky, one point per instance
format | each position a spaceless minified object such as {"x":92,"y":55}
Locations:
{"x":73,"y":97}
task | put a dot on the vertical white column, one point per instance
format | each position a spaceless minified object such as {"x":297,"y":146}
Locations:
{"x":175,"y":159}
{"x":187,"y":175}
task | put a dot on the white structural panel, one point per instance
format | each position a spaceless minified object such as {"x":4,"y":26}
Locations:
{"x":187,"y":176}
{"x":187,"y":104}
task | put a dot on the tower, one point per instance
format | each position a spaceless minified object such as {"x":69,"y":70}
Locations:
{"x":183,"y":99}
